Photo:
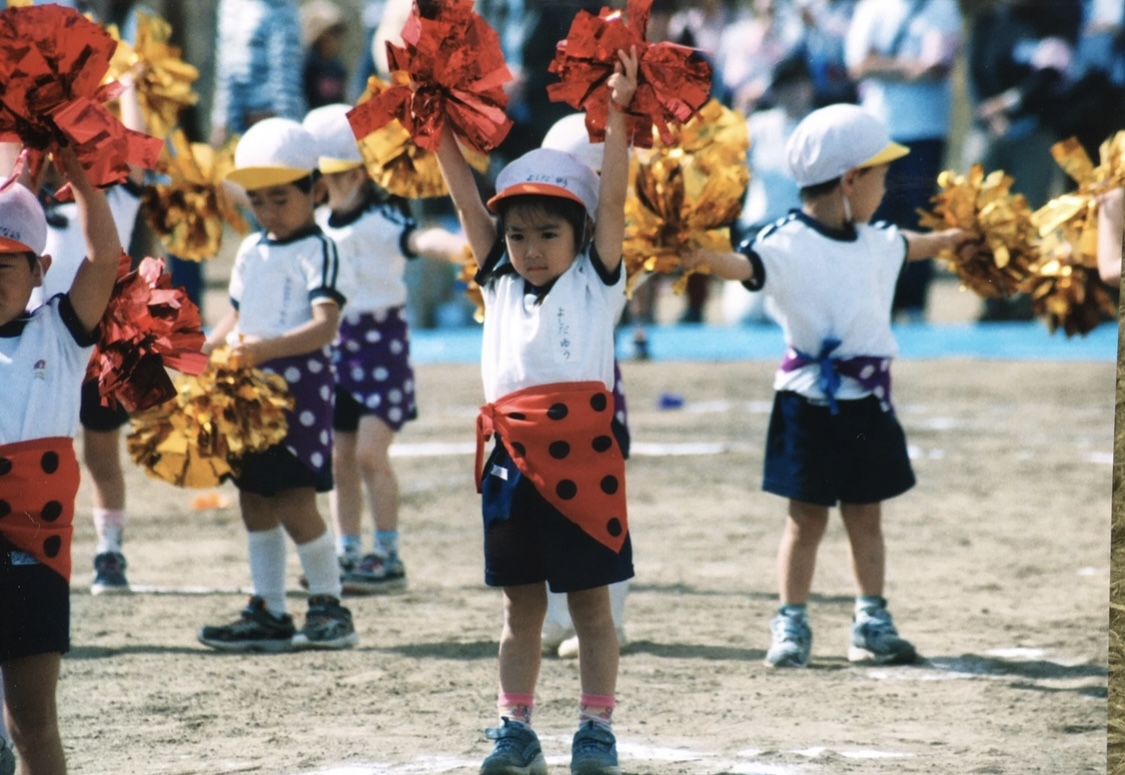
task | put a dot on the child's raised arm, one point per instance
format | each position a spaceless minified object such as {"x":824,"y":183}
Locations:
{"x":480,"y":229}
{"x":94,"y":281}
{"x":609,"y":226}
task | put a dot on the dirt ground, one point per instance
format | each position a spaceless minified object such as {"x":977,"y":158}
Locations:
{"x":998,"y":571}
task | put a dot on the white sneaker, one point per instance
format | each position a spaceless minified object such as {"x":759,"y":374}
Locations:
{"x":554,"y":634}
{"x":568,"y":649}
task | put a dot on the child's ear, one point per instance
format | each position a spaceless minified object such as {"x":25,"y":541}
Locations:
{"x":320,"y":190}
{"x":44,"y":265}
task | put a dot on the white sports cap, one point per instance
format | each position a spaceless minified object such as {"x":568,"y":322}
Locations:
{"x":23,"y":225}
{"x":832,"y":140}
{"x":548,"y":172}
{"x":273,"y":152}
{"x":569,"y":134}
{"x":336,"y":146}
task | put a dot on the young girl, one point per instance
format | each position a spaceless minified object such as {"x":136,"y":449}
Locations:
{"x":553,"y":488}
{"x":375,"y":235}
{"x":285,"y":317}
{"x":43,"y":356}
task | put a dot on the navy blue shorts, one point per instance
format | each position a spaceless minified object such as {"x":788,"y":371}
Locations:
{"x":856,"y":456}
{"x":527,"y":540}
{"x":96,"y":417}
{"x":276,"y":469}
{"x":34,"y":607}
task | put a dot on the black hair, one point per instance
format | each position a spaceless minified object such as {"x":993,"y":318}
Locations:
{"x":819,"y":189}
{"x":305,"y":184}
{"x":570,"y":211}
{"x":32,"y":259}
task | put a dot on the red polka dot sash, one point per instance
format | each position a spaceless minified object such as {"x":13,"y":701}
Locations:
{"x":38,"y":485}
{"x":560,"y":437}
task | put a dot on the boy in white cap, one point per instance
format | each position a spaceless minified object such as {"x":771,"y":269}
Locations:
{"x":553,"y":490}
{"x":43,"y":357}
{"x":285,"y":316}
{"x":833,"y":435}
{"x":375,"y":234}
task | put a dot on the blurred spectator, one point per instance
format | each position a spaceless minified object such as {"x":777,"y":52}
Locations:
{"x":826,"y":24}
{"x":1092,"y":107}
{"x":325,"y":76}
{"x":365,"y":67}
{"x":257,"y":76}
{"x":1019,"y":54}
{"x":901,"y":54}
{"x":751,"y":47}
{"x":772,"y":191}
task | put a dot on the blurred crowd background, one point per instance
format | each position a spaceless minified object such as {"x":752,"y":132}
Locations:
{"x":995,"y":82}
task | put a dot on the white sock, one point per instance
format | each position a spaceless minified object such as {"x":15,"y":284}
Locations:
{"x":110,"y":525}
{"x":318,"y":560}
{"x":267,"y":567}
{"x":349,"y":545}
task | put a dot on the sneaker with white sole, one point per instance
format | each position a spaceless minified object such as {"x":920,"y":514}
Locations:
{"x":375,"y":575}
{"x":515,"y":751}
{"x":554,"y":635}
{"x":875,"y":639}
{"x":7,"y":758}
{"x":109,"y":575}
{"x":792,"y":641}
{"x":328,"y":625}
{"x":594,"y":750}
{"x":256,"y":630}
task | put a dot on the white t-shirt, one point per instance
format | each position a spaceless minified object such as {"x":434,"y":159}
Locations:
{"x":274,"y":284}
{"x":565,"y":335}
{"x":66,"y":244}
{"x":918,"y":110}
{"x":43,"y":359}
{"x":827,"y":284}
{"x":373,"y":251}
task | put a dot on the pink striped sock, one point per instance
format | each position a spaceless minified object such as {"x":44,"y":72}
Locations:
{"x":515,"y":706}
{"x":597,"y":708}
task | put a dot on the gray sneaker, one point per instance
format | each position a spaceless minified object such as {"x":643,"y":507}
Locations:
{"x":256,"y":630}
{"x":594,"y":751}
{"x":328,"y":625}
{"x":109,"y":575}
{"x":515,"y":751}
{"x":875,"y":639}
{"x":375,"y":575}
{"x":7,"y":758}
{"x":792,"y":641}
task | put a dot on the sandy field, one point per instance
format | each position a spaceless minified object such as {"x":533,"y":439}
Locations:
{"x":998,"y":570}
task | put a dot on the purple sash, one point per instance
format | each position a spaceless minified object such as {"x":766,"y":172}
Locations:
{"x":873,"y":373}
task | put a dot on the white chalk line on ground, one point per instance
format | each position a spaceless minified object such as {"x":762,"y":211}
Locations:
{"x":739,"y":763}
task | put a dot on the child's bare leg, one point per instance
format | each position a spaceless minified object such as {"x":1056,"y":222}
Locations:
{"x":101,"y":452}
{"x":347,"y":499}
{"x":295,"y":510}
{"x":863,"y":522}
{"x":373,"y":454}
{"x":597,"y":640}
{"x":30,"y":684}
{"x":796,"y":556}
{"x":525,"y":606}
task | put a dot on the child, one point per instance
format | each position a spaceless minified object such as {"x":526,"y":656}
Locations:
{"x":833,"y":436}
{"x":285,"y":317}
{"x":43,"y":357}
{"x":101,"y":425}
{"x":375,"y":234}
{"x":553,"y":290}
{"x":569,"y":134}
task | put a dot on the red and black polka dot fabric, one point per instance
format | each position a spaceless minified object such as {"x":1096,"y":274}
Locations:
{"x":560,"y":437}
{"x":38,"y":485}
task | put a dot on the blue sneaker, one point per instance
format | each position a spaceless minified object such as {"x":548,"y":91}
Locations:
{"x":374,"y":575}
{"x":256,"y":630}
{"x":594,"y":751}
{"x":7,"y":758}
{"x":109,"y":575}
{"x":516,"y":751}
{"x":875,"y":639}
{"x":792,"y":641}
